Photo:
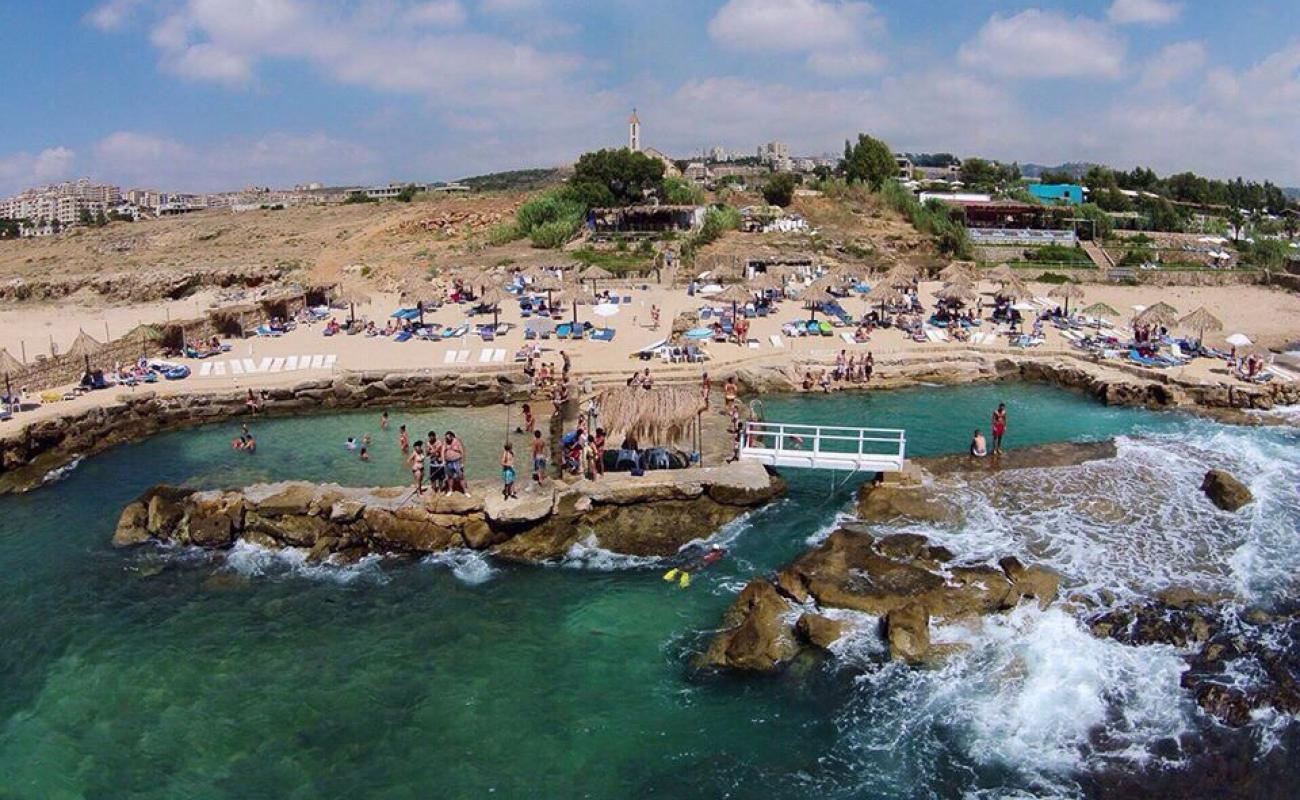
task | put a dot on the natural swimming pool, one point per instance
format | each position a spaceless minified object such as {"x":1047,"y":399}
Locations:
{"x":163,"y":674}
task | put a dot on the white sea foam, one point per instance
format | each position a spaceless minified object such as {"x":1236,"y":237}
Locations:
{"x":59,"y":473}
{"x":469,"y":566}
{"x":254,"y":561}
{"x":1140,"y":522}
{"x":588,"y":554}
{"x":1031,"y":691}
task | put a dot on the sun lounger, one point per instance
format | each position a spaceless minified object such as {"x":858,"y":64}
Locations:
{"x":318,"y":362}
{"x":219,"y":369}
{"x":462,"y":357}
{"x":449,"y":357}
{"x":265,"y":330}
{"x":776,"y":340}
{"x":499,"y":356}
{"x":848,"y":338}
{"x":485,"y":356}
{"x":603,"y":335}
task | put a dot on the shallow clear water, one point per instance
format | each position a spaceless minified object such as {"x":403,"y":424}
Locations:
{"x":176,"y":673}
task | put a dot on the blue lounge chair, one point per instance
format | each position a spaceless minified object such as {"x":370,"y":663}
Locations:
{"x":402,"y":336}
{"x":602,"y":335}
{"x":563,"y":331}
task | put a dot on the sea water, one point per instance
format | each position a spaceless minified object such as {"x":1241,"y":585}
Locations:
{"x":173,"y":672}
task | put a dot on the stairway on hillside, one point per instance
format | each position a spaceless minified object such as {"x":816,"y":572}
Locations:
{"x":1099,"y":257}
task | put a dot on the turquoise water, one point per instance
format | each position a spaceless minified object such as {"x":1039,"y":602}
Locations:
{"x":182,"y":674}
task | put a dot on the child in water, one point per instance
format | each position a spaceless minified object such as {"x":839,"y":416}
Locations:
{"x":365,"y":454}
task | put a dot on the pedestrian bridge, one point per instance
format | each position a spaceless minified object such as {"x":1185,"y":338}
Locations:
{"x":779,"y":444}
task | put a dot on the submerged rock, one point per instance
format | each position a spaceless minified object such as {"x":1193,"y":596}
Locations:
{"x":907,"y":629}
{"x":1225,"y":491}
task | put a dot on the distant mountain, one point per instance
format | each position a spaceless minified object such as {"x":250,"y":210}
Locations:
{"x":1075,"y":168}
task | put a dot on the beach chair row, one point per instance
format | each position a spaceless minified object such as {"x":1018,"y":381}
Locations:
{"x":247,"y":366}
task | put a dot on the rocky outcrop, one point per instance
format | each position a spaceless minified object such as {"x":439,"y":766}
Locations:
{"x":1225,"y":491}
{"x":28,"y":454}
{"x":136,"y":286}
{"x":1235,"y":665}
{"x":756,"y":635}
{"x":901,"y":579}
{"x":652,"y":515}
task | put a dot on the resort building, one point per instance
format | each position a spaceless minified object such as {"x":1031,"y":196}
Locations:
{"x":1069,"y":193}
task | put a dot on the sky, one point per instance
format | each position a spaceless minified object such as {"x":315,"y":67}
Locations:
{"x":204,"y":95}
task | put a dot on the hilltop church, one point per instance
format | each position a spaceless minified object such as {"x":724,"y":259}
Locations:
{"x":634,"y":144}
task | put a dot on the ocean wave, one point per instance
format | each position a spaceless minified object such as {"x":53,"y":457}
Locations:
{"x":59,"y":473}
{"x":1031,"y":691}
{"x":588,"y":554}
{"x":255,"y":561}
{"x":468,"y":566}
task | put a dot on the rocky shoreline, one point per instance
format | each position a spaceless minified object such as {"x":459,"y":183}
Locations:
{"x":651,"y":515}
{"x":29,"y":453}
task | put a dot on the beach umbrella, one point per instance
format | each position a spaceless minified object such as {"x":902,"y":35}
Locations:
{"x":540,"y":325}
{"x":1099,"y":310}
{"x":764,"y":281}
{"x":957,"y":290}
{"x":735,"y":294}
{"x":493,"y":297}
{"x":1161,"y":314}
{"x":605,"y":309}
{"x":898,"y":277}
{"x":9,"y":366}
{"x":1014,"y":290}
{"x":964,"y":271}
{"x":1066,"y":292}
{"x":84,"y":346}
{"x":352,"y":296}
{"x":1002,"y":273}
{"x":595,"y":273}
{"x":885,"y":294}
{"x":1239,"y":340}
{"x":1201,"y":320}
{"x":818,"y":292}
{"x":145,"y":335}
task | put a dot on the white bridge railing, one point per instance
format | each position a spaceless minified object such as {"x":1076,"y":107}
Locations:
{"x":779,"y":444}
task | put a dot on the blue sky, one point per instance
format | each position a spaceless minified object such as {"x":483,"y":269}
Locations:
{"x":213,"y":94}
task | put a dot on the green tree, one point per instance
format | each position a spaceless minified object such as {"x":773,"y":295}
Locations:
{"x":627,"y":174}
{"x":870,"y":161}
{"x":1237,"y":220}
{"x":1291,"y":224}
{"x":681,"y":192}
{"x":1102,"y":226}
{"x":1268,"y":253}
{"x":779,"y":189}
{"x":83,"y":216}
{"x":407,"y":194}
{"x":100,"y":219}
{"x":981,"y":174}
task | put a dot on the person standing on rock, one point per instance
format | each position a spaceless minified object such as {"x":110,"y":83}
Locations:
{"x":729,"y":393}
{"x":437,"y":470}
{"x":566,"y":365}
{"x":706,"y":388}
{"x":539,"y":458}
{"x":508,"y":472}
{"x":453,"y":456}
{"x":999,"y":427}
{"x":416,"y":462}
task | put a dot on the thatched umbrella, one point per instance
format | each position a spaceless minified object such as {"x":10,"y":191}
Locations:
{"x":416,"y":286}
{"x":664,"y":414}
{"x":1002,"y":273}
{"x":84,"y":346}
{"x":1014,"y":289}
{"x":818,"y":292}
{"x":1161,"y":314}
{"x":493,"y":297}
{"x":9,"y":366}
{"x":352,"y":296}
{"x":1066,"y":292}
{"x":595,"y":273}
{"x":885,"y":294}
{"x":964,"y":271}
{"x":735,"y":294}
{"x":572,"y":294}
{"x":957,"y":290}
{"x":546,"y":282}
{"x":1201,"y":320}
{"x":764,"y":281}
{"x":1099,"y":310}
{"x":146,"y":335}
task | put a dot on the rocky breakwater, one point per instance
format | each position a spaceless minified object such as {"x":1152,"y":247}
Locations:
{"x":30,"y":453}
{"x":652,"y":515}
{"x":901,"y":580}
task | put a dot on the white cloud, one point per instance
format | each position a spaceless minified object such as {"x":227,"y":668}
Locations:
{"x":1144,"y":12}
{"x":134,"y":158}
{"x":1044,"y":44}
{"x":1173,"y":63}
{"x":112,"y":15}
{"x":789,"y":25}
{"x":508,"y":6}
{"x":845,"y":63}
{"x":21,"y":170}
{"x":441,"y":13}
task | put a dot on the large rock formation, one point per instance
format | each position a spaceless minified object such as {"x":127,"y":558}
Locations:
{"x":902,"y":579}
{"x":652,"y":515}
{"x":1225,"y":491}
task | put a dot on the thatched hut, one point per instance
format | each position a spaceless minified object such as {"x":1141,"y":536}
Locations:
{"x":1201,"y":320}
{"x":662,"y":415}
{"x":83,"y":347}
{"x":1066,"y":292}
{"x":1161,"y":314}
{"x":233,"y":320}
{"x":11,"y":368}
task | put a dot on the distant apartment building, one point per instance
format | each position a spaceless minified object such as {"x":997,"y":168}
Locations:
{"x":776,"y":155}
{"x":905,"y":168}
{"x":719,"y":154}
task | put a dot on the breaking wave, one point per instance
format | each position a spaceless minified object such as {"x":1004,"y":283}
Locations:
{"x":468,"y":566}
{"x":255,"y":561}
